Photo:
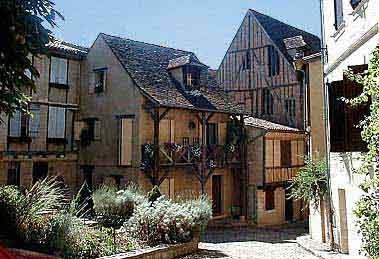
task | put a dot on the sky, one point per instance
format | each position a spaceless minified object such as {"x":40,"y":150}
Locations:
{"x":205,"y":27}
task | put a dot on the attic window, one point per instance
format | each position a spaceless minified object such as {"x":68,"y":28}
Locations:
{"x":100,"y":80}
{"x":191,"y":76}
{"x":247,"y":61}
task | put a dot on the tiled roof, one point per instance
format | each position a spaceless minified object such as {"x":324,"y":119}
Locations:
{"x":294,"y":42}
{"x":267,"y":125}
{"x":147,"y":65}
{"x":184,"y":60}
{"x":278,"y":31}
{"x":68,"y":48}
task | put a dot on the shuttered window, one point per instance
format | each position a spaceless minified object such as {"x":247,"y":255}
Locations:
{"x":267,"y":102}
{"x":57,"y":122}
{"x":126,"y":141}
{"x":34,"y":120}
{"x":285,"y":153}
{"x":58,"y":71}
{"x":273,"y":61}
{"x":338,"y":13}
{"x":345,"y":135}
{"x":212,"y":134}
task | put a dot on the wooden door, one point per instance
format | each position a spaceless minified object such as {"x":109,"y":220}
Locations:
{"x":217,"y":194}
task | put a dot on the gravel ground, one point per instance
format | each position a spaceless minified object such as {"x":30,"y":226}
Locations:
{"x":251,"y":243}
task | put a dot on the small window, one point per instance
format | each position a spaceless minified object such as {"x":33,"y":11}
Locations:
{"x":270,"y":199}
{"x":18,"y":124}
{"x":185,"y":141}
{"x":57,"y":122}
{"x":191,"y":75}
{"x":338,"y":13}
{"x":195,"y":141}
{"x":247,"y":61}
{"x":290,"y":107}
{"x":285,"y":153}
{"x":40,"y":171}
{"x":100,"y":80}
{"x":273,"y":61}
{"x":267,"y":102}
{"x":58,"y":71}
{"x":212,"y":134}
{"x":14,"y":174}
{"x":93,"y":127}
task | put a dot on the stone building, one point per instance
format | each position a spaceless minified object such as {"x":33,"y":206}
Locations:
{"x":350,"y":34}
{"x":33,"y":147}
{"x":274,"y":71}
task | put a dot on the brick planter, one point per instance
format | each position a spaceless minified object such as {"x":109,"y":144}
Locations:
{"x":160,"y":252}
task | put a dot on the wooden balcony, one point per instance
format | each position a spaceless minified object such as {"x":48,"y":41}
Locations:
{"x":171,"y":154}
{"x":281,"y":174}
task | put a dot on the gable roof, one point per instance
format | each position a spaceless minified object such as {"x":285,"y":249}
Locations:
{"x":147,"y":65}
{"x":64,"y":47}
{"x":279,"y":31}
{"x":267,"y":125}
{"x":184,"y":60}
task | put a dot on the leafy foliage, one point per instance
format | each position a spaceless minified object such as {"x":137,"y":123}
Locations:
{"x":166,"y":221}
{"x":22,"y":33}
{"x":310,"y":184}
{"x":368,"y":205}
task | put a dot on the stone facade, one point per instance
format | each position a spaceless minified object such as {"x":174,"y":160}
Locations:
{"x":350,"y":39}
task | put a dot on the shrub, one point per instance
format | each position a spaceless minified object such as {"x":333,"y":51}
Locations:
{"x":73,"y":239}
{"x":24,"y":213}
{"x":166,"y":221}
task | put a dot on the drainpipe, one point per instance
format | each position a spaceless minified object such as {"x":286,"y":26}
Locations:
{"x":328,"y":198}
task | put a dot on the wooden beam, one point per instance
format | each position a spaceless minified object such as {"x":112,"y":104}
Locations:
{"x":164,"y":114}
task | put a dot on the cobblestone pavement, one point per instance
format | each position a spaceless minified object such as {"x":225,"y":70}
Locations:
{"x":247,"y":243}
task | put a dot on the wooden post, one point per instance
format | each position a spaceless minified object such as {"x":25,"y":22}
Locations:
{"x":203,"y":151}
{"x":156,"y":147}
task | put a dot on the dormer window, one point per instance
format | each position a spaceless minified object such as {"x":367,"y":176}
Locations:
{"x":191,"y":76}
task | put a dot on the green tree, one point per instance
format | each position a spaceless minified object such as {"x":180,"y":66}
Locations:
{"x":368,"y":206}
{"x":22,"y":34}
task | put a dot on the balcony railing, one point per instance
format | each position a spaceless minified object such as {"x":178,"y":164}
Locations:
{"x":281,"y":174}
{"x":171,"y":154}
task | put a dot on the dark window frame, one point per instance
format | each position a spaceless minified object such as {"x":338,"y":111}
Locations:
{"x":212,"y":134}
{"x":269,"y":199}
{"x":100,"y":80}
{"x":338,"y":13}
{"x":273,"y":61}
{"x":14,"y":174}
{"x":267,"y":102}
{"x":195,"y":72}
{"x":286,"y":153}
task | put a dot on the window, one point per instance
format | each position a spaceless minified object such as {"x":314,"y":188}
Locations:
{"x":273,"y":61}
{"x":18,"y":124}
{"x":195,"y":141}
{"x":57,"y":122}
{"x":126,"y":144}
{"x":270,"y":199}
{"x":34,"y":120}
{"x":191,"y":75}
{"x":166,"y":131}
{"x":185,"y":142}
{"x":267,"y":102}
{"x":290,"y":107}
{"x":285,"y":153}
{"x":355,"y":3}
{"x":58,"y":71}
{"x":14,"y":174}
{"x":212,"y":134}
{"x":40,"y":170}
{"x":338,"y":13}
{"x":100,"y":80}
{"x":93,"y":127}
{"x":247,"y":61}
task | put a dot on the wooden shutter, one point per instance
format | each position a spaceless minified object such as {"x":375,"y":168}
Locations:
{"x":126,"y":141}
{"x":78,"y":127}
{"x":164,"y":131}
{"x":58,"y":70}
{"x":34,"y":121}
{"x":97,"y":130}
{"x":337,"y":117}
{"x":15,"y":124}
{"x":222,"y":133}
{"x":91,"y":82}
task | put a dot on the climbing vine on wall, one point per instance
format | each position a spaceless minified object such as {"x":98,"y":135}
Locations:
{"x":367,"y":208}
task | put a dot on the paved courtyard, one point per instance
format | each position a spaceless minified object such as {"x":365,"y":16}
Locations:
{"x":251,"y":243}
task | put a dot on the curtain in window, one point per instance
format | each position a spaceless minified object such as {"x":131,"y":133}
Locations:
{"x":57,"y":122}
{"x":34,"y":120}
{"x":15,"y":124}
{"x":58,"y":70}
